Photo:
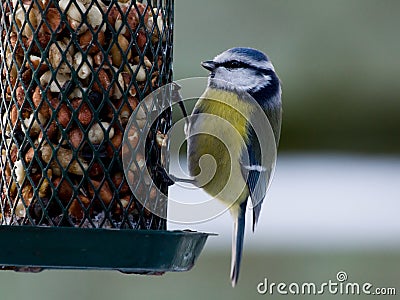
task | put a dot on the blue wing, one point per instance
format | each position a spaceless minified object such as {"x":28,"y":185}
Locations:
{"x":255,"y":168}
{"x":257,"y":175}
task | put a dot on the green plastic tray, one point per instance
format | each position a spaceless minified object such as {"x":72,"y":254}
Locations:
{"x":29,"y":248}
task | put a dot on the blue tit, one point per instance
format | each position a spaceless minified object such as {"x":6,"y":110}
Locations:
{"x":233,"y":74}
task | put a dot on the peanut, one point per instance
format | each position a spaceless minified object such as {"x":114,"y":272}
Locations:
{"x":105,"y":82}
{"x":53,"y":19}
{"x":38,"y":101}
{"x":102,"y":189}
{"x":65,"y":160}
{"x":96,"y":132}
{"x":75,"y":137}
{"x":86,"y":40}
{"x":77,"y":207}
{"x":120,"y":50}
{"x":20,"y":95}
{"x":14,"y":115}
{"x":64,"y":115}
{"x":64,"y":189}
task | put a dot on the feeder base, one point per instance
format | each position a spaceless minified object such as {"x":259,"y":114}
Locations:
{"x":32,"y":249}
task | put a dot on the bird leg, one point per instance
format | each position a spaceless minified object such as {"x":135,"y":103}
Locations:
{"x":176,"y":96}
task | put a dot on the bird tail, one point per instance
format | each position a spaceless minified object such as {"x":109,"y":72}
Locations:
{"x":237,"y":243}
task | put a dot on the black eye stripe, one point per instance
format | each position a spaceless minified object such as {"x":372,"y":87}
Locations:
{"x":234,"y":64}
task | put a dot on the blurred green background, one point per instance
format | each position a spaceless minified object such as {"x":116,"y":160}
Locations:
{"x":208,"y":280}
{"x":339,"y":65}
{"x":338,"y":62}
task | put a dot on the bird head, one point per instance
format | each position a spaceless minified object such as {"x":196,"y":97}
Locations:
{"x":244,"y":68}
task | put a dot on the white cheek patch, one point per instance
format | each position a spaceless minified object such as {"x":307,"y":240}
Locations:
{"x":251,"y":81}
{"x":258,"y":83}
{"x":242,"y":78}
{"x":261,"y":83}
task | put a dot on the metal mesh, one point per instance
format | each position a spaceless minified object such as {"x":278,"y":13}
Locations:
{"x":72,"y":73}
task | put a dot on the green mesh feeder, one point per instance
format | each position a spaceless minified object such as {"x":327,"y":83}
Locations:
{"x":72,"y":74}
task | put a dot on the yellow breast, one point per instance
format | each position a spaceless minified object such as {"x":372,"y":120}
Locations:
{"x":226,"y":105}
{"x":219,"y":131}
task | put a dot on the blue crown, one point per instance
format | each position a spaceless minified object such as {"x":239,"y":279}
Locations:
{"x":253,"y":53}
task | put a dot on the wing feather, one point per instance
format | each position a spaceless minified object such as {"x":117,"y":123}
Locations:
{"x":256,"y":172}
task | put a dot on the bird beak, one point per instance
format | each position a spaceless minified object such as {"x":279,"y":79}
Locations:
{"x":208,"y":65}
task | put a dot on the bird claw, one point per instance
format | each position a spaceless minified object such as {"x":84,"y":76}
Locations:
{"x":163,"y":174}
